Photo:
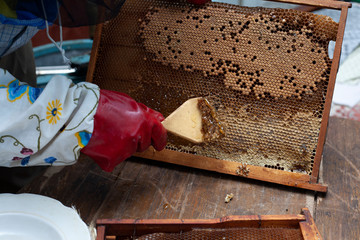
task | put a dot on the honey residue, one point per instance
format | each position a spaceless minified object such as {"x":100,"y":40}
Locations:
{"x":211,"y":126}
{"x":265,"y":71}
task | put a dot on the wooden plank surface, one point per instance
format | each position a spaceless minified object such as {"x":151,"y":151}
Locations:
{"x":338,"y":213}
{"x":139,"y":188}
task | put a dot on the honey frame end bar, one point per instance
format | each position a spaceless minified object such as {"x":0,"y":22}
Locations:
{"x":292,"y":179}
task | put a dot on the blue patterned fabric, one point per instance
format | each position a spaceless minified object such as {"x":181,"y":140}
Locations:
{"x":16,"y":91}
{"x":45,"y":126}
{"x":83,"y":138}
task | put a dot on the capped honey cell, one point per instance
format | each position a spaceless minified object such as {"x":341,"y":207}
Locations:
{"x":266,"y":71}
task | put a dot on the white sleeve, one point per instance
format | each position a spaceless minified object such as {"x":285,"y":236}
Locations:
{"x":45,"y":126}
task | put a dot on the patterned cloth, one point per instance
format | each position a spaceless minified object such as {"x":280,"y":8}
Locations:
{"x":342,"y":111}
{"x":14,"y":36}
{"x":20,"y":21}
{"x":45,"y":126}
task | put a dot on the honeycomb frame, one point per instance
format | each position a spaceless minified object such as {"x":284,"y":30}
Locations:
{"x":301,"y":226}
{"x":304,"y":175}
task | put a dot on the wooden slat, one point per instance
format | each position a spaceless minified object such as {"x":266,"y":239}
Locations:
{"x":219,"y":222}
{"x":94,"y":53}
{"x":308,"y":227}
{"x":228,"y":167}
{"x":101,"y":233}
{"x":126,"y":227}
{"x":319,"y":3}
{"x":305,"y":8}
{"x":329,"y":94}
{"x":123,"y":227}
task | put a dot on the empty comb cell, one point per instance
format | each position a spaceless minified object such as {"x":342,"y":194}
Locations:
{"x":265,"y":71}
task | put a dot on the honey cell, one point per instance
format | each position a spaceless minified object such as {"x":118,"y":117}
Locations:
{"x":265,"y":70}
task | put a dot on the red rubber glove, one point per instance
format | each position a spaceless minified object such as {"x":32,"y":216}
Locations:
{"x":122,"y":127}
{"x":198,"y":2}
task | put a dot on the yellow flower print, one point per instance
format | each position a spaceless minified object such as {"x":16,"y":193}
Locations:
{"x":53,"y":111}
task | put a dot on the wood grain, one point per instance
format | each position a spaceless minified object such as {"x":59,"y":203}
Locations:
{"x":145,"y":189}
{"x":139,"y":188}
{"x":130,"y":54}
{"x":308,"y":227}
{"x":126,"y":227}
{"x":319,"y":3}
{"x":329,"y":93}
{"x":94,"y":53}
{"x":337,"y":213}
{"x":228,"y":167}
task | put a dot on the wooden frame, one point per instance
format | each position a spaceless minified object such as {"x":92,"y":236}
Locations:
{"x":112,"y":228}
{"x":255,"y":172}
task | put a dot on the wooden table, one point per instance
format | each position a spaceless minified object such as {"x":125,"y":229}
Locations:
{"x":140,"y":188}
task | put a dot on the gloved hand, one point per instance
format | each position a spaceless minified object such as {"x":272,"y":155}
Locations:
{"x":122,"y":127}
{"x":198,"y":2}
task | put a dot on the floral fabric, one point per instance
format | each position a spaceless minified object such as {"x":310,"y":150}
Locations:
{"x":45,"y":126}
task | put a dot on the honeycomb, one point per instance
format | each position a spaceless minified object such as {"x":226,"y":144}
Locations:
{"x":265,"y":72}
{"x":211,"y":127}
{"x":228,"y":234}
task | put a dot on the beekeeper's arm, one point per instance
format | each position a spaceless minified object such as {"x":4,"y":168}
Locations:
{"x":51,"y":126}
